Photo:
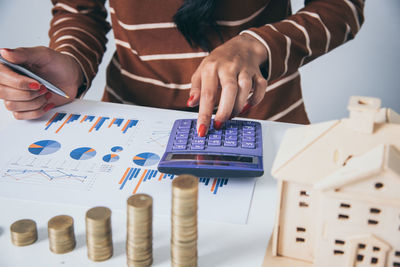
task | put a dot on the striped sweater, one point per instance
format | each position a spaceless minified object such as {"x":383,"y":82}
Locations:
{"x":153,"y":62}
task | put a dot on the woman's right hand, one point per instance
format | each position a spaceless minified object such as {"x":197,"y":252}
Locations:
{"x":25,"y":97}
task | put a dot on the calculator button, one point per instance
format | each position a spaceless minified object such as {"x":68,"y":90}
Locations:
{"x":183,"y":127}
{"x":248,"y":138}
{"x":182,"y":136}
{"x":230,"y":143}
{"x":231,"y":127}
{"x":231,"y":123}
{"x":214,"y":137}
{"x":197,"y":146}
{"x":180,"y":141}
{"x":198,"y":138}
{"x":248,"y":127}
{"x":219,"y":132}
{"x":185,"y":124}
{"x":231,"y":131}
{"x":183,"y":131}
{"x":248,"y":145}
{"x":249,"y":133}
{"x":214,"y":142}
{"x":199,"y":141}
{"x":231,"y":137}
{"x":179,"y":147}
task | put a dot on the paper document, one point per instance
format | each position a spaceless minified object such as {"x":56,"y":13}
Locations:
{"x":92,"y":153}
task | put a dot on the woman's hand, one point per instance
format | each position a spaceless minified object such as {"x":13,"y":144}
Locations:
{"x":27,"y":98}
{"x":230,"y":77}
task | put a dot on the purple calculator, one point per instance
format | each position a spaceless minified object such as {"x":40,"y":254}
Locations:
{"x":233,"y":151}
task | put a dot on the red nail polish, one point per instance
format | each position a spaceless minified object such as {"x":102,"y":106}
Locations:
{"x":48,"y":107}
{"x":189,"y":100}
{"x":34,"y":86}
{"x":47,"y":95}
{"x":246,"y":108}
{"x":217,"y":125}
{"x":202,"y":130}
{"x":42,"y":91}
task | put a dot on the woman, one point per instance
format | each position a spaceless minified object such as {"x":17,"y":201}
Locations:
{"x":235,"y":57}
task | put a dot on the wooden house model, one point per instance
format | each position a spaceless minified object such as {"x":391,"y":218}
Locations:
{"x":339,"y":191}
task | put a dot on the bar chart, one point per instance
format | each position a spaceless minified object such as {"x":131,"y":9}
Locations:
{"x":137,"y":176}
{"x":92,"y":123}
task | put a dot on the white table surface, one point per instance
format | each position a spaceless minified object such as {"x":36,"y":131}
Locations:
{"x":219,"y":244}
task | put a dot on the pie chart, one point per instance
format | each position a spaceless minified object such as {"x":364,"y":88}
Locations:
{"x":117,"y":149}
{"x":83,"y":153}
{"x":146,"y":159}
{"x":111,"y":158}
{"x":44,"y":147}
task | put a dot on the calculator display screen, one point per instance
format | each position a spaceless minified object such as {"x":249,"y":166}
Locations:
{"x":203,"y":157}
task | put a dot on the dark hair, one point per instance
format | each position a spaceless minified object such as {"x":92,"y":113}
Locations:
{"x":194,"y":18}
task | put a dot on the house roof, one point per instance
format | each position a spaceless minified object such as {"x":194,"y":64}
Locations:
{"x":310,"y":153}
{"x":379,"y":159}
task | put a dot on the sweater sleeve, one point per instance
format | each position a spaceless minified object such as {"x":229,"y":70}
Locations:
{"x":78,"y":28}
{"x":318,"y":28}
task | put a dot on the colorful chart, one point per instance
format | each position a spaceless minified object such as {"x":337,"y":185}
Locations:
{"x":117,"y":149}
{"x":146,"y":159}
{"x":44,"y":147}
{"x":83,"y":153}
{"x":111,"y":158}
{"x":137,"y":176}
{"x":216,"y":183}
{"x":50,"y":175}
{"x":89,"y":122}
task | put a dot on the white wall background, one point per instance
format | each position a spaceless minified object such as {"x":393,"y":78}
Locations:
{"x":368,"y":65}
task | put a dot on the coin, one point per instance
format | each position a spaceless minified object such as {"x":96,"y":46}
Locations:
{"x":23,"y":232}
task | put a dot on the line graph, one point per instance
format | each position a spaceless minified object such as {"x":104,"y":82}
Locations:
{"x":52,"y":172}
{"x":21,"y":174}
{"x":159,"y":137}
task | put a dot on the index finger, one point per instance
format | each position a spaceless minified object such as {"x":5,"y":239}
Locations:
{"x":208,"y":96}
{"x":10,"y":78}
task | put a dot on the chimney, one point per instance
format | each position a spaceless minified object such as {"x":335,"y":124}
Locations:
{"x":362,"y":113}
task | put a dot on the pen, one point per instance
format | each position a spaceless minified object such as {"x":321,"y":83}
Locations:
{"x":32,"y":75}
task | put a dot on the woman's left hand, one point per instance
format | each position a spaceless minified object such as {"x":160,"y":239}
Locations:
{"x":227,"y":77}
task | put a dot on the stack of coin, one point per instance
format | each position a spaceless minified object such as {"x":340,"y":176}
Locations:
{"x":184,"y":221}
{"x":139,"y":238}
{"x":23,"y":232}
{"x":61,"y":234}
{"x":98,"y":234}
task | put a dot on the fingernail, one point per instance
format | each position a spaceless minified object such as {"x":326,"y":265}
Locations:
{"x":245,"y":109}
{"x":217,"y":125}
{"x":8,"y":49}
{"x":189,"y":100}
{"x":47,"y":95}
{"x":34,"y":86}
{"x":48,"y":107}
{"x":202,"y":130}
{"x":42,"y":90}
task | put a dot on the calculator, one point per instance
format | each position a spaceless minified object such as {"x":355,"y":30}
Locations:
{"x":233,"y":151}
